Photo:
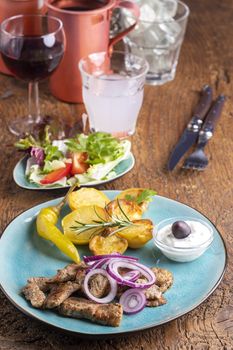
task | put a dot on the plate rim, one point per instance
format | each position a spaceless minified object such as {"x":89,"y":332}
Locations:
{"x":96,"y":183}
{"x":128,"y":332}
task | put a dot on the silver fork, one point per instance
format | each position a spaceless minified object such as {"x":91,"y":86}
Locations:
{"x":198,"y":160}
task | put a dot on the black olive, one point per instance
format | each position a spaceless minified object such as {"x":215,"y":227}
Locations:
{"x":181,"y":229}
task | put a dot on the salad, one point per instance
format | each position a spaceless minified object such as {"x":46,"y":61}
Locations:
{"x":85,"y":158}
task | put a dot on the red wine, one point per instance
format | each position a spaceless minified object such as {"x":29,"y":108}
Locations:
{"x":32,"y":58}
{"x":80,"y":5}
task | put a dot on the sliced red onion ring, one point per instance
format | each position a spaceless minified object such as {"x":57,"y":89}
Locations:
{"x":91,"y":258}
{"x":131,"y":276}
{"x":133,"y":301}
{"x":98,"y":264}
{"x":113,"y":286}
{"x":115,"y":264}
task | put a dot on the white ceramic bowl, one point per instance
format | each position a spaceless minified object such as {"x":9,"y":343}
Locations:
{"x":182,"y":254}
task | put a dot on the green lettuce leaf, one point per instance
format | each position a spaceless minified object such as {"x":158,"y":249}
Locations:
{"x":79,"y":144}
{"x":101,"y":147}
{"x":52,"y":153}
{"x":43,"y":140}
{"x":104,"y":171}
{"x":26,"y":143}
{"x":50,"y":166}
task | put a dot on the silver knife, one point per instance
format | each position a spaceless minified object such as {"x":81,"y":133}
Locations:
{"x":190,"y":135}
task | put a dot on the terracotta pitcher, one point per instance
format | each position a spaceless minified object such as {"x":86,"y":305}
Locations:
{"x":86,"y":25}
{"x":9,"y":8}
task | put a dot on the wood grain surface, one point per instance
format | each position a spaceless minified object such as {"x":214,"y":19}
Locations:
{"x":206,"y":58}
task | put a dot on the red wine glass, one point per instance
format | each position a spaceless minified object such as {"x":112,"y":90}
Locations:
{"x":32,"y":46}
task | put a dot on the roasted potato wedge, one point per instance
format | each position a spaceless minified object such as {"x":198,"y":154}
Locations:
{"x":133,"y":194}
{"x":138,"y":234}
{"x":86,"y":215}
{"x":87,"y":197}
{"x":131,"y":209}
{"x":106,"y":245}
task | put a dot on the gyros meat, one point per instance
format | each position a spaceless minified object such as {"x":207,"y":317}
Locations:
{"x":59,"y":293}
{"x":65,"y":293}
{"x":164,"y":278}
{"x":106,"y":314}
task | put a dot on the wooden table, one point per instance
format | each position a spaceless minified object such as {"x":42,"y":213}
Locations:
{"x":206,"y":57}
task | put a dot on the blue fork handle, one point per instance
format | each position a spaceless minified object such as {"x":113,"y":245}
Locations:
{"x":214,"y":114}
{"x":204,"y":103}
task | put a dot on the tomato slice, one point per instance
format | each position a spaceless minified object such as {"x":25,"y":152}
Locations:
{"x":56,"y":175}
{"x":79,"y":165}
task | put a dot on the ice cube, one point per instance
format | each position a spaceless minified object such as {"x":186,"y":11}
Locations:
{"x":153,"y":36}
{"x":143,"y":39}
{"x":157,"y":10}
{"x":147,"y":13}
{"x":172,"y":29}
{"x":147,"y":16}
{"x":166,"y":9}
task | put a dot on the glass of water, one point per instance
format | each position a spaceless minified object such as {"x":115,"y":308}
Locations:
{"x":113,"y":91}
{"x":158,"y":37}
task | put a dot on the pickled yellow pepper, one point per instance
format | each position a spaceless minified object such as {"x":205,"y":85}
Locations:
{"x":46,"y":227}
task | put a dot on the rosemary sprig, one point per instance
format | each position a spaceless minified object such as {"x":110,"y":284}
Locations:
{"x":122,"y":211}
{"x":102,"y":223}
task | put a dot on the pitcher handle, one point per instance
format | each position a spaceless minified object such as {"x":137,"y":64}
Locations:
{"x":134,"y":8}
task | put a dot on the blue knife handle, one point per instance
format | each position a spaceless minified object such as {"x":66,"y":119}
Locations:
{"x":213,"y":115}
{"x":204,"y":103}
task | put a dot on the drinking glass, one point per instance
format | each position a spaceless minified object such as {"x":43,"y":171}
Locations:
{"x":112,"y":89}
{"x":9,"y":8}
{"x":32,"y":47}
{"x":158,"y":38}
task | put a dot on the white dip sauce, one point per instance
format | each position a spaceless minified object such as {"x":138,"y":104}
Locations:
{"x":198,"y":236}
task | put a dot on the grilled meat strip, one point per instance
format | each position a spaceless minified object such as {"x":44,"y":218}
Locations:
{"x":164,"y":278}
{"x":156,"y":302}
{"x":59,"y":293}
{"x":99,"y":286}
{"x":106,"y":314}
{"x":36,"y":287}
{"x":70,"y":273}
{"x":62,"y":291}
{"x":33,"y":293}
{"x":42,"y":282}
{"x":80,"y":274}
{"x":153,"y":294}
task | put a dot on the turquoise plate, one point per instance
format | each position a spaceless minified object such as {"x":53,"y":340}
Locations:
{"x":19,"y":175}
{"x":24,"y":254}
